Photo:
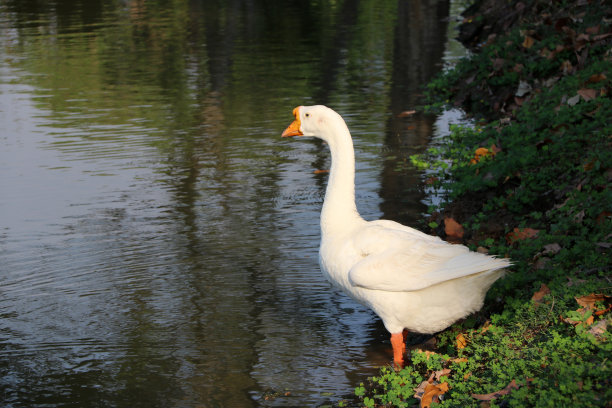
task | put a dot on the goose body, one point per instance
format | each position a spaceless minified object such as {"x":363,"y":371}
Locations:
{"x":411,"y":280}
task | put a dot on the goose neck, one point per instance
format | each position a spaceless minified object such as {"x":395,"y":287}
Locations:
{"x":339,"y":211}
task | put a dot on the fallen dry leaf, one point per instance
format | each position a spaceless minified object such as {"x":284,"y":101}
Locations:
{"x":461,"y":341}
{"x":587,"y":93}
{"x":320,"y":171}
{"x":452,"y":228}
{"x":589,"y":166}
{"x":588,"y":302}
{"x":458,"y":360}
{"x":426,"y":352}
{"x":551,"y":249}
{"x":519,"y":234}
{"x":480,"y":153}
{"x":601,"y":36}
{"x":523,"y":89}
{"x":543,"y":291}
{"x":592,"y":30}
{"x":420,"y":390}
{"x":595,"y":78}
{"x":567,"y":67}
{"x":433,"y":393}
{"x":437,"y":375}
{"x":485,"y":327}
{"x":589,"y":320}
{"x":573,"y":100}
{"x":528,"y":42}
{"x":599,"y":329}
{"x":493,"y":395}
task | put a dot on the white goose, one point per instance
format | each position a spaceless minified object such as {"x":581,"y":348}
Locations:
{"x":412,"y":280}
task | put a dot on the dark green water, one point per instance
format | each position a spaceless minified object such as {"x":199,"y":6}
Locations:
{"x":158,"y":239}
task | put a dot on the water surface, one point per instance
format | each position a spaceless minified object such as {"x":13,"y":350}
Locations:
{"x":158,"y":239}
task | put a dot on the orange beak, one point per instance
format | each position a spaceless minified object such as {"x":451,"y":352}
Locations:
{"x":294,"y":127}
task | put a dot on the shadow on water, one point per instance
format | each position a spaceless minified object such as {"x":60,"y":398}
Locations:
{"x":158,"y":240}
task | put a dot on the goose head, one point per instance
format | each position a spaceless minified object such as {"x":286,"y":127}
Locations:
{"x":316,"y":121}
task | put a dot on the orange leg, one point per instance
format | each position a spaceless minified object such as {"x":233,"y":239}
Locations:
{"x":399,"y":347}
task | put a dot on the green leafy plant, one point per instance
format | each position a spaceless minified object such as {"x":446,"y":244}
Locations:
{"x":533,"y":183}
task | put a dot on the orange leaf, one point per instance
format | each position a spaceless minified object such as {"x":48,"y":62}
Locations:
{"x":570,"y":320}
{"x":537,"y":297}
{"x":529,"y":41}
{"x":459,"y":360}
{"x":320,"y":171}
{"x":461,"y":341}
{"x":480,"y":153}
{"x":589,"y":301}
{"x":485,"y":327}
{"x":426,"y":352}
{"x":432,"y":392}
{"x":488,"y":397}
{"x":595,"y":78}
{"x":519,"y":234}
{"x":452,"y":228}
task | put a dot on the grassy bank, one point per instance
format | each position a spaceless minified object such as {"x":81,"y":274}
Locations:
{"x":530,"y":181}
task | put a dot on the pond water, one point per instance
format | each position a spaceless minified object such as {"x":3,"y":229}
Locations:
{"x":158,"y":238}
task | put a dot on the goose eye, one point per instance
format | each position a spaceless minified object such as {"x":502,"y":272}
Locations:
{"x":307,"y":115}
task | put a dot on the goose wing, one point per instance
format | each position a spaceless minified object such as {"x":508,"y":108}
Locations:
{"x":400,"y":260}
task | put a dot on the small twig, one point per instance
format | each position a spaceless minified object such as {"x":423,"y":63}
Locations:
{"x":552,"y":306}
